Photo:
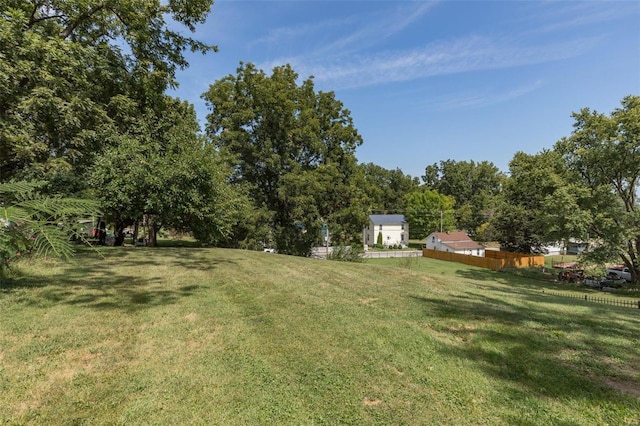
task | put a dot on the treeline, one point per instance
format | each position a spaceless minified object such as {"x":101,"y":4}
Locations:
{"x":84,"y":115}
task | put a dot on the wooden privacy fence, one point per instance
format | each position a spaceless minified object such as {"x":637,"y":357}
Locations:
{"x":605,"y":300}
{"x":493,"y":259}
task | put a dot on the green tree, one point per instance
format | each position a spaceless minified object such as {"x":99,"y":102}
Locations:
{"x":603,"y":152}
{"x":525,"y":220}
{"x":474,"y":186}
{"x":165,"y":172}
{"x":386,"y":189}
{"x":73,"y":72}
{"x":294,"y":149}
{"x":428,"y":211}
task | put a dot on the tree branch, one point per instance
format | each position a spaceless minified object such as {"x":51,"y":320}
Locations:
{"x":74,"y":24}
{"x":36,"y":6}
{"x":34,"y":20}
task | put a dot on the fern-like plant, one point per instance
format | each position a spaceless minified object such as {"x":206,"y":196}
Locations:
{"x":34,"y":224}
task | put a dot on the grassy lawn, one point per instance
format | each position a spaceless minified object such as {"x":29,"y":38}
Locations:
{"x":212,"y":336}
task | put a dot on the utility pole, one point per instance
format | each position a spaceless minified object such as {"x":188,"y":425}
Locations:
{"x":325,"y":235}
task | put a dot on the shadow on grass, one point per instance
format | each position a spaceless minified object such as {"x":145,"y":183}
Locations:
{"x":519,"y":284}
{"x":505,"y":277}
{"x":543,"y":352}
{"x":116,"y":278}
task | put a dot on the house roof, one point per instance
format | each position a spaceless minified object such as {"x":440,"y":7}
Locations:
{"x":457,"y":240}
{"x":463,"y":245}
{"x":446,"y":237}
{"x":387,"y":219}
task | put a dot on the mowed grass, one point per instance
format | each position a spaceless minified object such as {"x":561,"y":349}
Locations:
{"x":213,"y":336}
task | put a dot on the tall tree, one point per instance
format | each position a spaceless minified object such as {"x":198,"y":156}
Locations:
{"x":428,"y":211}
{"x":529,"y":192}
{"x":294,"y":148}
{"x":387,"y":189}
{"x":474,"y":186}
{"x":604,"y":153}
{"x":165,"y":172}
{"x":73,"y":71}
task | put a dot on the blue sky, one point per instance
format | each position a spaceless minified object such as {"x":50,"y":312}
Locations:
{"x":431,"y":81}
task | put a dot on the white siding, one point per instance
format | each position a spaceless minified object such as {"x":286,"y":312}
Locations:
{"x":434,"y":243}
{"x":392,"y":234}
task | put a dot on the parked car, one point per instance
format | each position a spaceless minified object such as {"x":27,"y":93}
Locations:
{"x":620,"y":272}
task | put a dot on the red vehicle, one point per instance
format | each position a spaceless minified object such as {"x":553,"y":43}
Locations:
{"x":571,"y":276}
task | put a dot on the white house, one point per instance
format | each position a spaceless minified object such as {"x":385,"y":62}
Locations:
{"x":455,"y":242}
{"x":394,"y":229}
{"x":575,"y":246}
{"x":572,"y":246}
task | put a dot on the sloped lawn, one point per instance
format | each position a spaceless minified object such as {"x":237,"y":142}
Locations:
{"x":212,"y":336}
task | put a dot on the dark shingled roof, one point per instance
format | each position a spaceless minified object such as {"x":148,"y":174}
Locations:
{"x":387,"y":219}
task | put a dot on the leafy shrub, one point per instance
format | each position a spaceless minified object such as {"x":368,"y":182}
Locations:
{"x":409,"y":262}
{"x":346,"y":254}
{"x":38,"y":225}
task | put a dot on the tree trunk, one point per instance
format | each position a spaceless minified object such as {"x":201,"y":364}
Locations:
{"x":154,"y":227}
{"x":118,"y":232}
{"x":135,"y":230}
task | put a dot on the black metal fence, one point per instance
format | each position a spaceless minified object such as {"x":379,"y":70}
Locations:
{"x":605,"y":300}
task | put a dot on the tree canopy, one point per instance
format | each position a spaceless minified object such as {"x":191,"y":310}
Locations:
{"x":387,"y":190}
{"x":165,"y":172}
{"x":603,"y":153}
{"x":74,"y":71}
{"x":519,"y":220}
{"x":83,"y":108}
{"x":295,"y":150}
{"x":428,"y":211}
{"x":474,"y":186}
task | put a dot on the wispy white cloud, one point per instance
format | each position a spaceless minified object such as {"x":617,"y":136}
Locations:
{"x":380,"y":26}
{"x":570,"y":15}
{"x":353,"y":32}
{"x":477,"y":99}
{"x":348,"y":55}
{"x":468,"y":54}
{"x":291,"y":33}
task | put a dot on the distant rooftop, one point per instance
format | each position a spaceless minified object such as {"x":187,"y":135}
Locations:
{"x":457,"y":240}
{"x":387,"y":219}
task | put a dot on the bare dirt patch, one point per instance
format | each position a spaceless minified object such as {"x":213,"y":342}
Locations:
{"x":395,"y":370}
{"x":463,"y":327}
{"x":371,"y":402}
{"x":622,"y":384}
{"x":625,"y":387}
